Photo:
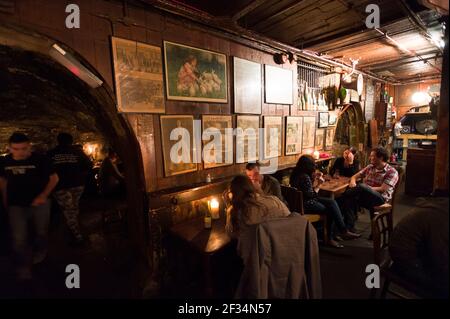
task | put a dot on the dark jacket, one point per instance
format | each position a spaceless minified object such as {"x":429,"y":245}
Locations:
{"x":281,"y":260}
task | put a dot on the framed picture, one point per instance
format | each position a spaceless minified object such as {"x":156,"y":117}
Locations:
{"x":177,"y":132}
{"x":247,"y":86}
{"x":332,"y":118}
{"x":194,"y":74}
{"x":319,"y":141}
{"x":309,"y":132}
{"x":138,"y":77}
{"x":247,"y":138}
{"x":323,"y":119}
{"x":294,"y":131}
{"x":278,"y":85}
{"x":217,"y":138}
{"x":273,"y":127}
{"x":329,"y":138}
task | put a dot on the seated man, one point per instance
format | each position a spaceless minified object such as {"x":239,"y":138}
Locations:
{"x":419,"y":246}
{"x":379,"y":180}
{"x":266,"y":183}
{"x":347,"y":165}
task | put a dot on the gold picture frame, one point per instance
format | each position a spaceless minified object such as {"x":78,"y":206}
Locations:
{"x":294,"y":133}
{"x":194,"y":74}
{"x":273,"y":129}
{"x":309,"y":133}
{"x":184,"y":160}
{"x":214,"y":127}
{"x":247,"y":86}
{"x":138,"y":77}
{"x":247,"y":137}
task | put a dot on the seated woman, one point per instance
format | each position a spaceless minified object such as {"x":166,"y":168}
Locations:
{"x":347,"y":165}
{"x":304,"y":179}
{"x":250,"y":207}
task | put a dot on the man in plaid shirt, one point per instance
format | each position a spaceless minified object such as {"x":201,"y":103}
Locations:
{"x":379,"y":180}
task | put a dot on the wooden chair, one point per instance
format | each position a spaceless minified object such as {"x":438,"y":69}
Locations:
{"x":382,"y":227}
{"x":294,"y":198}
{"x":389,"y":207}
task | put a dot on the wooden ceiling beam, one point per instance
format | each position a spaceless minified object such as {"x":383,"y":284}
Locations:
{"x":247,"y":9}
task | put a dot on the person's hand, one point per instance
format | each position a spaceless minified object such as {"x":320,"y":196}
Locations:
{"x":39,"y":200}
{"x":352,"y":184}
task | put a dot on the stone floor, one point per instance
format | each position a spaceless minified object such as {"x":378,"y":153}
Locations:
{"x":104,"y":262}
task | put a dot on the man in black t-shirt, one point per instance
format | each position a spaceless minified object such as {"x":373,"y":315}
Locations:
{"x":26,"y":181}
{"x":72,"y":166}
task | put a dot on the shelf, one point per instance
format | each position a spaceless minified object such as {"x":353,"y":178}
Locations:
{"x":417,"y":137}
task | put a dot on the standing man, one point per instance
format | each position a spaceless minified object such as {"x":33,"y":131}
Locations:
{"x":72,"y":166}
{"x":379,"y":180}
{"x":266,"y":183}
{"x":26,"y":181}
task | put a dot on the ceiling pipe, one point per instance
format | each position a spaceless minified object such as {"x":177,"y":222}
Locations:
{"x":417,"y":22}
{"x":237,"y":33}
{"x":404,"y":49}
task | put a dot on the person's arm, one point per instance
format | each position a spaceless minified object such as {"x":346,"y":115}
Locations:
{"x":43,"y":196}
{"x":357,"y":176}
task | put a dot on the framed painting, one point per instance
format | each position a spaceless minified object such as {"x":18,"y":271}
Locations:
{"x":247,"y":86}
{"x":294,"y":133}
{"x":278,"y":85}
{"x":194,"y":74}
{"x":177,"y":135}
{"x":319,"y":141}
{"x":309,"y":132}
{"x":332,"y":118}
{"x":323,"y":119}
{"x":273,"y":126}
{"x":217,"y":139}
{"x":329,"y":138}
{"x":247,"y":138}
{"x":138,"y":77}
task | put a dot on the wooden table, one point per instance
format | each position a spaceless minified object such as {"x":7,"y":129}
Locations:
{"x":205,"y":242}
{"x":334,"y":187}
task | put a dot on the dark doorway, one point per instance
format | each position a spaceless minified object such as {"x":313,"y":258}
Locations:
{"x":41,"y":98}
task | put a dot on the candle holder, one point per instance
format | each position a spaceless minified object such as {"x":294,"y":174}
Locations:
{"x":213,"y":206}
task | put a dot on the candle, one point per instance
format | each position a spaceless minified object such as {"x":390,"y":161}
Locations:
{"x":214,"y":207}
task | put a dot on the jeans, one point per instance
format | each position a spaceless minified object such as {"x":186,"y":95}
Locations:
{"x":69,"y":200}
{"x":20,"y":220}
{"x":329,"y":206}
{"x":363,"y":195}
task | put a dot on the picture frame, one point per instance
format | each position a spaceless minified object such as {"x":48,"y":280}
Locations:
{"x":194,"y":74}
{"x":294,"y":133}
{"x":247,"y":86}
{"x":184,"y":161}
{"x":247,"y":138}
{"x":323,"y":119}
{"x":215,"y":127}
{"x":332,"y":118}
{"x":329,"y":138}
{"x":319,"y":139}
{"x":273,"y":129}
{"x":309,"y":133}
{"x":278,"y":85}
{"x":138,"y":77}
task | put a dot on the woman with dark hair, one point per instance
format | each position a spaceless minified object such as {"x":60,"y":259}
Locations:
{"x":347,"y":165}
{"x":304,"y":179}
{"x":250,"y":207}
